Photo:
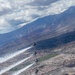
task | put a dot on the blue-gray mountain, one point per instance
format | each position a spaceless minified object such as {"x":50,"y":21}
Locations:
{"x":43,"y":28}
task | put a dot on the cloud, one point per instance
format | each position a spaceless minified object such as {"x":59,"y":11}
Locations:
{"x":4,"y":5}
{"x":17,"y":13}
{"x":5,"y":26}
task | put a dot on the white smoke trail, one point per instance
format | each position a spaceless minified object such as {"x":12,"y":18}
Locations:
{"x":10,"y":56}
{"x":14,"y":65}
{"x":22,"y":70}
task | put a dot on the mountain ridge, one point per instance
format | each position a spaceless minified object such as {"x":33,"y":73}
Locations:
{"x":43,"y":25}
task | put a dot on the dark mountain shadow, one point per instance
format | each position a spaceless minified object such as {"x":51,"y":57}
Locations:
{"x":56,"y":41}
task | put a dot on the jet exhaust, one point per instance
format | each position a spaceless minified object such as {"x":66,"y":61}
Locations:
{"x":12,"y":55}
{"x":24,"y":69}
{"x":14,"y":65}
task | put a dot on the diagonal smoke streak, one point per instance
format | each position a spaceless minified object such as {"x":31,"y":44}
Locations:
{"x":10,"y":56}
{"x":22,"y":70}
{"x":14,"y":65}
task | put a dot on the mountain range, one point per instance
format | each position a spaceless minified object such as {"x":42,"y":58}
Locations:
{"x":43,"y":28}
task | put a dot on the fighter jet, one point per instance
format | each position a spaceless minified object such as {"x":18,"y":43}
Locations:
{"x":35,"y":53}
{"x":34,"y":44}
{"x":36,"y":60}
{"x":36,"y":71}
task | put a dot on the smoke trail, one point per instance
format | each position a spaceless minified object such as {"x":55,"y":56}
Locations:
{"x":14,"y":65}
{"x":22,"y":70}
{"x":9,"y":56}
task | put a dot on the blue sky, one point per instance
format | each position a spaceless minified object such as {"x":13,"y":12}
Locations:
{"x":15,"y":14}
